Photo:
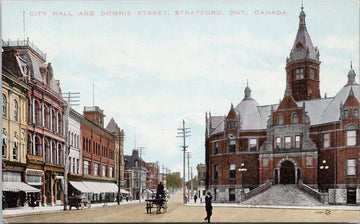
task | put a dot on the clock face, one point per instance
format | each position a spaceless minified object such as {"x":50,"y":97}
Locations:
{"x":299,"y":54}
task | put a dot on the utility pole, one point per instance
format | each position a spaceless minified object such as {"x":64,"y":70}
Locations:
{"x":192,"y":186}
{"x":72,"y":100}
{"x":140,"y":179}
{"x":121,"y":140}
{"x":188,"y":154}
{"x":183,"y":134}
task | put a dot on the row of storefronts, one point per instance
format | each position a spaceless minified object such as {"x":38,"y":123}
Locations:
{"x":47,"y":145}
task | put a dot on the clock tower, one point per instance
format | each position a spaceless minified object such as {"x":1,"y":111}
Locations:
{"x":303,"y":65}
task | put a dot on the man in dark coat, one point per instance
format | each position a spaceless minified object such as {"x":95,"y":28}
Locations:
{"x":208,"y":206}
{"x":160,"y":191}
{"x":195,"y":198}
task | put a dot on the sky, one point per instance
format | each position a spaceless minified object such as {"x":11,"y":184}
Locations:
{"x":152,"y":64}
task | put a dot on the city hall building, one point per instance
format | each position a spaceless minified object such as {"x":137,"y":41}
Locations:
{"x":305,"y":139}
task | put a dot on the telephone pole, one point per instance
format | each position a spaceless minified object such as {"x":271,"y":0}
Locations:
{"x":188,"y":154}
{"x":140,"y":179}
{"x":183,"y":133}
{"x":192,"y":185}
{"x":73,"y":99}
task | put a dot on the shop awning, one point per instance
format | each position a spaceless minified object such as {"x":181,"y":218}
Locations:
{"x":92,"y":186}
{"x":18,"y":186}
{"x":102,"y":187}
{"x":122,"y":191}
{"x":80,"y":186}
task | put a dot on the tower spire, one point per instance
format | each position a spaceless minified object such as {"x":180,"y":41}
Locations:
{"x":297,"y":64}
{"x":247,"y":91}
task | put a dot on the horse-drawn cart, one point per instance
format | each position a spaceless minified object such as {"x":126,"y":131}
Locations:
{"x":159,"y":204}
{"x":77,"y":202}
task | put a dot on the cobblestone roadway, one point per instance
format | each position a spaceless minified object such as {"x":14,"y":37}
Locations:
{"x":179,"y":213}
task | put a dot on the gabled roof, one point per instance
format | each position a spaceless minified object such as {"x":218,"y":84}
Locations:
{"x":112,"y":125}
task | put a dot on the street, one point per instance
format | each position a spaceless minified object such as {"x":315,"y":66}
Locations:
{"x":190,"y":213}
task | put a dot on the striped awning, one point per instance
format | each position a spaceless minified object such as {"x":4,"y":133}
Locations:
{"x":80,"y":186}
{"x":18,"y":186}
{"x":96,"y":187}
{"x":102,"y":187}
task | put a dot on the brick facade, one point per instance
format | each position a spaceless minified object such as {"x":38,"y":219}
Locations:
{"x":304,"y":137}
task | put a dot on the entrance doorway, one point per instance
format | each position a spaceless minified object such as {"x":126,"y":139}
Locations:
{"x":351,"y":196}
{"x":287,"y":173}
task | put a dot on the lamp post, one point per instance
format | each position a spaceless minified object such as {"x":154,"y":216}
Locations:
{"x":324,"y":166}
{"x":242,"y":169}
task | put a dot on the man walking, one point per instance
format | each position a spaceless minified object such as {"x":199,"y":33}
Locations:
{"x":208,"y":206}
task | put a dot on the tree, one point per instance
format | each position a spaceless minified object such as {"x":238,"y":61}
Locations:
{"x":173,"y":181}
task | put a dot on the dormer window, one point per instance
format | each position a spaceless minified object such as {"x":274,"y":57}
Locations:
{"x":346,"y":113}
{"x":295,"y":118}
{"x":299,"y":73}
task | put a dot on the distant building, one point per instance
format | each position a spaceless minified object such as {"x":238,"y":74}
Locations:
{"x":201,"y":180}
{"x":135,"y":175}
{"x":75,"y":158}
{"x":98,"y":147}
{"x":152,"y":178}
{"x":303,"y":139}
{"x":118,"y":150}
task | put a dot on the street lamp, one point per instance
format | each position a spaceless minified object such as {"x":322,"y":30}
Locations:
{"x":242,"y":169}
{"x":324,"y":166}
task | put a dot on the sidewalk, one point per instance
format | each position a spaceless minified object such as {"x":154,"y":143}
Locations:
{"x":239,"y":205}
{"x":49,"y":208}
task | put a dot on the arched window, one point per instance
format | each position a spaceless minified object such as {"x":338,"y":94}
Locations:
{"x":4,"y":103}
{"x":47,"y":152}
{"x":37,"y":147}
{"x":280,"y":119}
{"x":4,"y":145}
{"x":15,"y":149}
{"x":36,"y":115}
{"x":54,"y":154}
{"x":15,"y":110}
{"x":46,"y":118}
{"x":295,"y":118}
{"x":72,"y":139}
{"x":29,"y":145}
{"x":60,"y":155}
{"x":53,"y":121}
{"x":84,"y":144}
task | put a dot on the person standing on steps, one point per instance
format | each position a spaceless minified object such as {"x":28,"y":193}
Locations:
{"x":208,"y":206}
{"x":195,"y":198}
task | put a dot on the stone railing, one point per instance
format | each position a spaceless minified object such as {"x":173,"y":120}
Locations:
{"x":322,"y":197}
{"x":260,"y":189}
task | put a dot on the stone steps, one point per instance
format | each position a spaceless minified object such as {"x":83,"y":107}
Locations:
{"x":283,"y":195}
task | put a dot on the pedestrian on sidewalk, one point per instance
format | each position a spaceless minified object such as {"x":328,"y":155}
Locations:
{"x":208,"y":206}
{"x":195,"y":198}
